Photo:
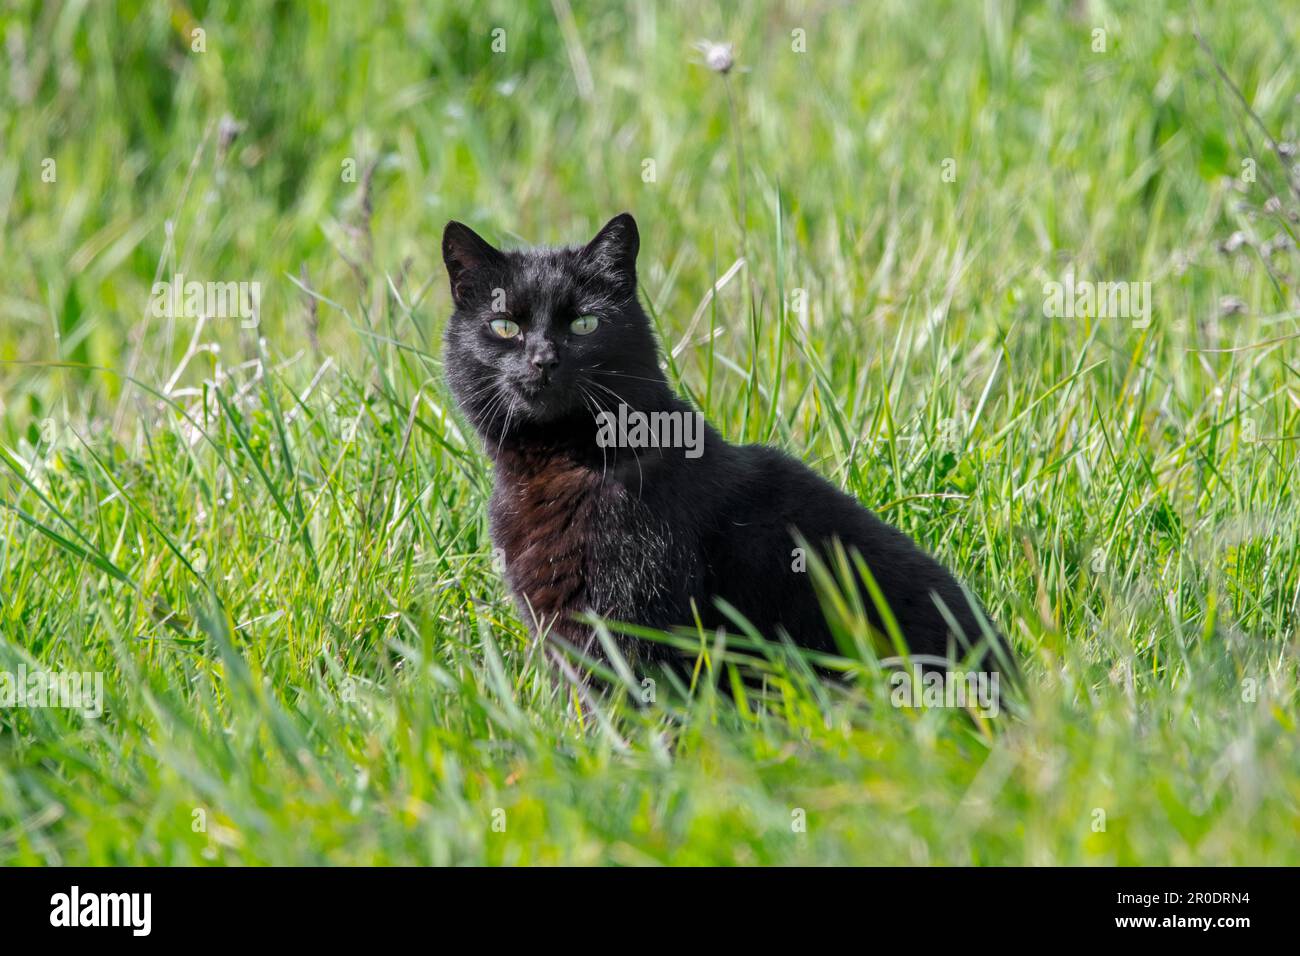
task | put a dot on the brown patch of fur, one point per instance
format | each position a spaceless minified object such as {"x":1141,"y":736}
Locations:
{"x":544,"y":508}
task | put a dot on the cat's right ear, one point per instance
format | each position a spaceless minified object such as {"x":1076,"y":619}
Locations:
{"x":466,"y":254}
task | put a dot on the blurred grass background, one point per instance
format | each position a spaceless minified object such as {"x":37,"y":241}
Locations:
{"x":272,"y":542}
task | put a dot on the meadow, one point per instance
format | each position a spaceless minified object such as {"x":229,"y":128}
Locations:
{"x":266,"y":533}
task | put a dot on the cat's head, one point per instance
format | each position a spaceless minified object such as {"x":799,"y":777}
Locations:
{"x":546,"y":335}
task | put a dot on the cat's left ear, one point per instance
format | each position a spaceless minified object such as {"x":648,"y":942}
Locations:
{"x":615,"y":247}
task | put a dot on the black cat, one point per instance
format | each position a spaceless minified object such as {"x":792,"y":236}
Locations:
{"x":551,"y":357}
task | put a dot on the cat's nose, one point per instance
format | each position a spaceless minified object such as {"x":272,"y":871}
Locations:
{"x":543,"y":359}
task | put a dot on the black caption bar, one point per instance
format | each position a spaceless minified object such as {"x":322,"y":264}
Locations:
{"x":336,"y":906}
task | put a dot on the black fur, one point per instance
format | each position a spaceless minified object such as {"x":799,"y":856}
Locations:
{"x":637,"y":534}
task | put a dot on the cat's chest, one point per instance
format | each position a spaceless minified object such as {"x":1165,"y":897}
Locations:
{"x":546,"y":519}
{"x":580,"y":539}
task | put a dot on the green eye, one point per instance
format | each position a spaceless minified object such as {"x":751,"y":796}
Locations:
{"x":505,"y":328}
{"x":584,"y":324}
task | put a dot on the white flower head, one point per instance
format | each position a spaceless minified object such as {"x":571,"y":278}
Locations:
{"x":718,"y":57}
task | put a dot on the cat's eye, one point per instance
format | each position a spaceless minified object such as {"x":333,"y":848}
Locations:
{"x":504,"y":328}
{"x":584,"y":324}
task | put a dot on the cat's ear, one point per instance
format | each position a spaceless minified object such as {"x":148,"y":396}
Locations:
{"x":615,"y":247}
{"x":466,"y":254}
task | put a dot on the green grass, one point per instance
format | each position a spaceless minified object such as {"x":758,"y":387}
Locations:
{"x":273,"y":545}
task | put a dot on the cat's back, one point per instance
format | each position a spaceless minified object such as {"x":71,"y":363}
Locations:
{"x":778,"y":496}
{"x":768,"y":484}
